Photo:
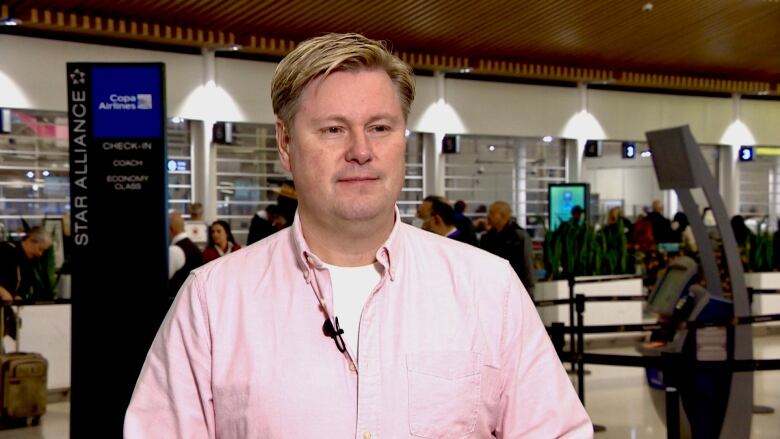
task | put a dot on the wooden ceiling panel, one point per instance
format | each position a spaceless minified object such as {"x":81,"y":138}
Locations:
{"x":706,"y":38}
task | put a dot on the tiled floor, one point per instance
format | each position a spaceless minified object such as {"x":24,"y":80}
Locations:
{"x":616,"y":397}
{"x":619,"y":399}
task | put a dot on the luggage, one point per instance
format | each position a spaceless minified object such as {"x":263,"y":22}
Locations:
{"x":22,"y":383}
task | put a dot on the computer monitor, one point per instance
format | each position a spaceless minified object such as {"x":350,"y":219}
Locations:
{"x":561,"y":200}
{"x":671,"y":286}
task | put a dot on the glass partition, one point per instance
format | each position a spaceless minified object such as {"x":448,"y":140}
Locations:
{"x":34,"y":181}
{"x":511,"y":169}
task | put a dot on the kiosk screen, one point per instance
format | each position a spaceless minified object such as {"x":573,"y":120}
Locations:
{"x":671,"y":286}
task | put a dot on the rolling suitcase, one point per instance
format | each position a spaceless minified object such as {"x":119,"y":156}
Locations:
{"x":22,"y":383}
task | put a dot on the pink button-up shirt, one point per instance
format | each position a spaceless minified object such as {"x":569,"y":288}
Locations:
{"x":450,"y":347}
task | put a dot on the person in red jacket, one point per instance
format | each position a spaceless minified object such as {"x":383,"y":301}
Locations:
{"x":221,"y":241}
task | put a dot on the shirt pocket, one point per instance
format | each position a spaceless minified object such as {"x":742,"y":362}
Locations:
{"x":444,"y":392}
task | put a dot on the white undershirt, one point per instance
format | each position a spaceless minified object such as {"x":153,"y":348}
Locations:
{"x":351,"y":288}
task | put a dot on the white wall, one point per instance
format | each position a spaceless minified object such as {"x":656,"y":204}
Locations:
{"x":37,"y":67}
{"x":627,"y":116}
{"x":512,"y":109}
{"x":249,"y":84}
{"x":763,"y":120}
{"x":633,"y":181}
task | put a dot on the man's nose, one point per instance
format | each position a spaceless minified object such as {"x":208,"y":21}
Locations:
{"x":359,"y":150}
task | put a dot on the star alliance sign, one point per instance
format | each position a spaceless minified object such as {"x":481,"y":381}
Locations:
{"x":141,"y":101}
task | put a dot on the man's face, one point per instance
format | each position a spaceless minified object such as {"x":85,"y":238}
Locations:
{"x":424,"y":213}
{"x":33,"y":249}
{"x":495,"y":217}
{"x":346,"y":148}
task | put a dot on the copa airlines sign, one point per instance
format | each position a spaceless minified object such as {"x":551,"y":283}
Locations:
{"x":141,"y":101}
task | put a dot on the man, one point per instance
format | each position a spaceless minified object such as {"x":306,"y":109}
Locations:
{"x":465,"y":228}
{"x":183,"y":255}
{"x":449,"y":343}
{"x":662,"y":227}
{"x":576,"y":216}
{"x":509,"y":241}
{"x":196,"y":228}
{"x":442,"y":221}
{"x":16,"y":264}
{"x":17,"y":276}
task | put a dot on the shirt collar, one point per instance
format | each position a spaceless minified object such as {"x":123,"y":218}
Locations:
{"x":387,"y":254}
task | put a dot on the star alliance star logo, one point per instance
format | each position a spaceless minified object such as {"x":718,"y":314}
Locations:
{"x":77,"y":77}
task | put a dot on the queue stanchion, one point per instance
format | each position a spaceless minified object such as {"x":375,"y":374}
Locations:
{"x":758,"y":409}
{"x":580,"y":308}
{"x":670,"y":364}
{"x":572,"y":330}
{"x":558,"y":337}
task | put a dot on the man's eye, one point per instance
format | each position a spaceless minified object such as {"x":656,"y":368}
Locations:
{"x":332,"y":130}
{"x":381,"y":128}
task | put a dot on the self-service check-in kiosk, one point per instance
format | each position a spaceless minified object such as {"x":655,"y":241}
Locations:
{"x":717,"y":403}
{"x":704,"y":394}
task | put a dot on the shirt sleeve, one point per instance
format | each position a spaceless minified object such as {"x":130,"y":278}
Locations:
{"x":537,"y":397}
{"x":176,"y":260}
{"x":172,"y":397}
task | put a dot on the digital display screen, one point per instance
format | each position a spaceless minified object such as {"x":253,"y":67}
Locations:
{"x":668,"y":292}
{"x":561,"y":200}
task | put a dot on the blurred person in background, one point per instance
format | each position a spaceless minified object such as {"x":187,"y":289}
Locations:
{"x":683,"y":233}
{"x":17,"y":276}
{"x":442,"y":222}
{"x":662,"y":227}
{"x":615,"y":219}
{"x":509,"y":241}
{"x":465,"y":228}
{"x":183,"y":255}
{"x":221,"y":241}
{"x":195,"y":227}
{"x":265,"y":223}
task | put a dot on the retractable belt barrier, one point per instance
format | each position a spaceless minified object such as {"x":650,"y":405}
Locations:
{"x":670,"y":363}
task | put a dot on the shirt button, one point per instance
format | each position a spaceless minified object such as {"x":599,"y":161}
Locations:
{"x":366,"y":435}
{"x":352,"y":367}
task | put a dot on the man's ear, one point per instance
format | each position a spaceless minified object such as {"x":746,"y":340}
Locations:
{"x":283,"y":144}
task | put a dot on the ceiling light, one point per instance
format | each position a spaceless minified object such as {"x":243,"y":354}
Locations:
{"x":645,"y":154}
{"x":6,"y":21}
{"x":225,"y":48}
{"x":30,"y":174}
{"x":547,"y":139}
{"x":177,"y":119}
{"x":466,"y":70}
{"x":45,"y":173}
{"x":407,"y":133}
{"x":647,"y":7}
{"x":491,"y":148}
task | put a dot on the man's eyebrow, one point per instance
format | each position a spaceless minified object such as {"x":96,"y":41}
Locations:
{"x":345,"y":120}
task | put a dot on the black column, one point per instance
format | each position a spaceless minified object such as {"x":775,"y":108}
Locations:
{"x":119,"y":226}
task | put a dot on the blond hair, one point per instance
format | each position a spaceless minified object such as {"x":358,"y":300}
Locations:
{"x":321,"y":56}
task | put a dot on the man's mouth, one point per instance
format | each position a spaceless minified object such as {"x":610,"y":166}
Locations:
{"x":357,"y":179}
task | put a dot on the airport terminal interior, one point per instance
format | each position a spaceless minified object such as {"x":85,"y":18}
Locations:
{"x":636,"y":144}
